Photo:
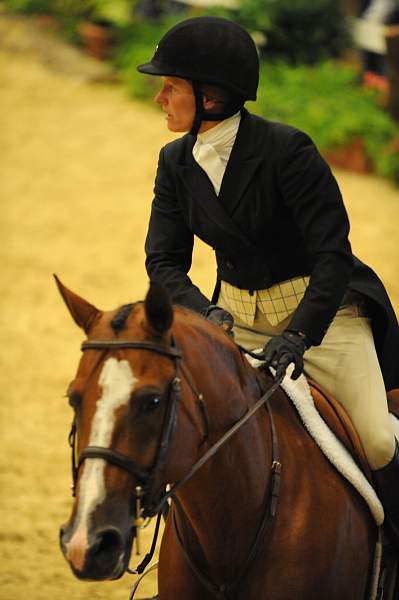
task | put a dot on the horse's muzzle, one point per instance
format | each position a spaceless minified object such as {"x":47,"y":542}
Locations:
{"x":103,"y":555}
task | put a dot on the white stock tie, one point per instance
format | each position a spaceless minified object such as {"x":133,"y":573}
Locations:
{"x":213,"y":148}
{"x":207,"y":157}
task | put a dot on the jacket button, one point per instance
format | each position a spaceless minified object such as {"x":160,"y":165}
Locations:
{"x":229,"y":264}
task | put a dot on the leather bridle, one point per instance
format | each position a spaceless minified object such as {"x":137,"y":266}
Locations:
{"x":148,"y":477}
{"x":145,"y":477}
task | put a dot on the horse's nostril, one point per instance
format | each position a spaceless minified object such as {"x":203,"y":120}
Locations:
{"x":107,"y":546}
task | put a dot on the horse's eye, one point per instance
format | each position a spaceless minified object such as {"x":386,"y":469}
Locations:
{"x":150,"y":404}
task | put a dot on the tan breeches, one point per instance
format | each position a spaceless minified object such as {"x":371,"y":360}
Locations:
{"x":346,"y":365}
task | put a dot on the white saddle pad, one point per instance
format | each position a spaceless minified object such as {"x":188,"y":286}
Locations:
{"x":298,"y":392}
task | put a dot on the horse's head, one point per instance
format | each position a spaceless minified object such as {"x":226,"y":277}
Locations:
{"x":124,"y":397}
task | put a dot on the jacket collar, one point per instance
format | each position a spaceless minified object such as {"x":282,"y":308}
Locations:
{"x":241,"y":167}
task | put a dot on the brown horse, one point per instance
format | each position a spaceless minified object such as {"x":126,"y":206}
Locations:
{"x":156,"y":387}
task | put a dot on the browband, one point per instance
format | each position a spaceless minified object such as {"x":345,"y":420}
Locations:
{"x":170,"y":351}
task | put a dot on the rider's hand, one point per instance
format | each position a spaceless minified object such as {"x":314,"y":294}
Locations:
{"x":220,"y":317}
{"x":281,"y":350}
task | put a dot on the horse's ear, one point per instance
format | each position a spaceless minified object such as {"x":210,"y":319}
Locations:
{"x":83,"y":313}
{"x":158,"y":309}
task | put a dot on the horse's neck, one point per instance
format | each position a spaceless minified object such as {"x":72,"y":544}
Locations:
{"x":216,"y":501}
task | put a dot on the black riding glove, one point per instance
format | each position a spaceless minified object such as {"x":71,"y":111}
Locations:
{"x":284,"y":349}
{"x":220,"y":317}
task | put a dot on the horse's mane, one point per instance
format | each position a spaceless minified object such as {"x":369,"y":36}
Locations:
{"x":119,"y":321}
{"x":216,"y":338}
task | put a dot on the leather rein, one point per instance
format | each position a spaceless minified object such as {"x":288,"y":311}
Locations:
{"x":147,"y":477}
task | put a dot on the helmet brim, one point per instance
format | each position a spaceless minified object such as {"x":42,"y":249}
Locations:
{"x":152,"y":69}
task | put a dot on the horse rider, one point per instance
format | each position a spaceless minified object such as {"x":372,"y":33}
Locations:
{"x":259,"y":193}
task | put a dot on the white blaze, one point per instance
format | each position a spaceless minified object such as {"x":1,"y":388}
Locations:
{"x":117,"y":382}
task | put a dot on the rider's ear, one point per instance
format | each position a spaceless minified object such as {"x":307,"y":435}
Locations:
{"x":83,"y":313}
{"x":158,"y":309}
{"x":205,"y":102}
{"x":209,"y":103}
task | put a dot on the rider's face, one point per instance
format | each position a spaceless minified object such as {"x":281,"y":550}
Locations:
{"x":177,"y":99}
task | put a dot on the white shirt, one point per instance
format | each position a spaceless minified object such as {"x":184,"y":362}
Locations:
{"x":213,"y":148}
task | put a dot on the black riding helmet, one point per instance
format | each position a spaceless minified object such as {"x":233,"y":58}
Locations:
{"x":209,"y":50}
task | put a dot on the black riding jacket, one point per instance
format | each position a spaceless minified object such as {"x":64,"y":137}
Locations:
{"x":279,"y":214}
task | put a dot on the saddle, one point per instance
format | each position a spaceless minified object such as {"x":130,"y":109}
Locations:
{"x":338,"y":420}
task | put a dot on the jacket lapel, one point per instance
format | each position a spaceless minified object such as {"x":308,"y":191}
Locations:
{"x":241,"y":167}
{"x":202,"y":198}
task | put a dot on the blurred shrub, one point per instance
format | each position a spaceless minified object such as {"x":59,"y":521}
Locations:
{"x":28,"y":6}
{"x":118,"y":11}
{"x":327,"y":102}
{"x":298,"y":31}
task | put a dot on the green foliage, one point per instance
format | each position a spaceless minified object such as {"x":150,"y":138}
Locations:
{"x":328,"y":103}
{"x":117,"y":11}
{"x":74,"y":8}
{"x":297,"y":31}
{"x":28,"y":6}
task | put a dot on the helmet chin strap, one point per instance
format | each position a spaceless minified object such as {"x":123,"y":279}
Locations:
{"x":201,"y":114}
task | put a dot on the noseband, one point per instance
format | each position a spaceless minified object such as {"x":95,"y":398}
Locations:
{"x":145,"y":477}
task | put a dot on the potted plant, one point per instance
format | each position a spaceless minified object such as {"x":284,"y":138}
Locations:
{"x":84,"y":17}
{"x":97,"y":37}
{"x":98,"y":29}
